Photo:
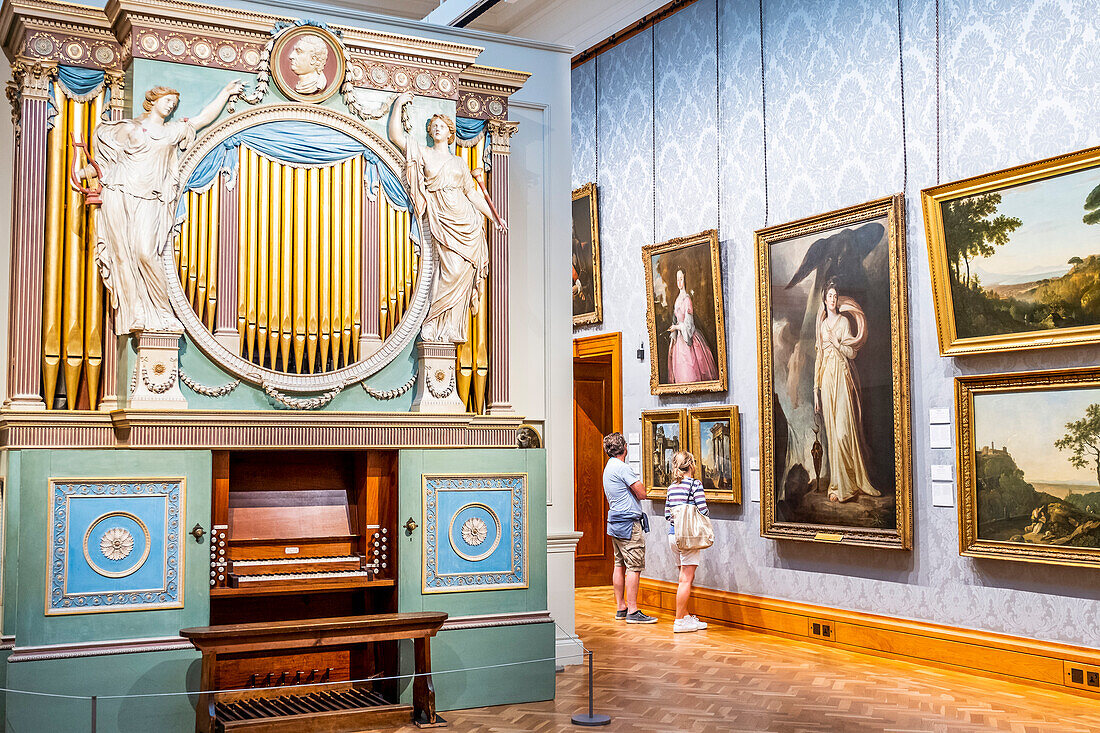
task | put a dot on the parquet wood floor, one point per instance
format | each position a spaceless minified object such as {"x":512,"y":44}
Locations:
{"x":729,"y":680}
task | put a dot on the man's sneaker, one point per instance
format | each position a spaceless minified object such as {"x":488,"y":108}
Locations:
{"x":699,"y":625}
{"x":639,"y":618}
{"x":620,"y":615}
{"x":682,"y":625}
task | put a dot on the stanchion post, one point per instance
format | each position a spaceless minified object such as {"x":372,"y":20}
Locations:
{"x":592,"y":719}
{"x":93,"y":713}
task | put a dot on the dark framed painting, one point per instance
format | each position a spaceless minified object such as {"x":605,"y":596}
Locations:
{"x":664,"y":432}
{"x":684,"y":314}
{"x":833,"y":350}
{"x":1029,"y":466}
{"x":1015,"y":256}
{"x":715,"y":436}
{"x":586,"y":285}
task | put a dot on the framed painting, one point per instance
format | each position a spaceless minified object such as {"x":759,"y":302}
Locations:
{"x":664,"y":432}
{"x":684,"y":313}
{"x":715,"y":436}
{"x":587,"y":293}
{"x":833,"y":352}
{"x":1029,"y":466}
{"x":1015,"y":256}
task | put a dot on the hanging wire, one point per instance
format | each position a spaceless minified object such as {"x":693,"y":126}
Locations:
{"x":596,"y":94}
{"x":901,"y":73}
{"x":718,"y":114}
{"x":937,"y":92}
{"x":764,"y":111}
{"x":653,"y":99}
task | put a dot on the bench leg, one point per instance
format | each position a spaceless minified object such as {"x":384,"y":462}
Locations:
{"x":424,"y":714}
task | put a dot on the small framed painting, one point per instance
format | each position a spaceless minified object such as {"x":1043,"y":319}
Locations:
{"x":684,"y":314}
{"x":715,"y":435}
{"x":1015,"y":256}
{"x":587,"y":294}
{"x":1029,"y":466}
{"x":833,"y":348}
{"x":664,"y":433}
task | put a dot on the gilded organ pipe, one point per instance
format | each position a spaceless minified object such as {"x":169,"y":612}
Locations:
{"x":93,"y":287}
{"x":340,"y":181}
{"x":301,"y":204}
{"x":313,"y":233}
{"x":253,"y":205}
{"x":57,"y":142}
{"x":259,"y":266}
{"x":72,"y":333}
{"x":192,"y":247}
{"x":274,"y":287}
{"x":213,"y":228}
{"x":201,"y":212}
{"x":350,"y":276}
{"x":383,"y":265}
{"x":244,"y":229}
{"x":324,"y":284}
{"x":286,"y":267}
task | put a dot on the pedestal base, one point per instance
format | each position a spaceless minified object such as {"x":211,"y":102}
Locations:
{"x":155,"y":380}
{"x":436,"y":387}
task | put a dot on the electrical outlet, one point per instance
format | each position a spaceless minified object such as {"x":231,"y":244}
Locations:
{"x":821,"y":629}
{"x":1082,"y":676}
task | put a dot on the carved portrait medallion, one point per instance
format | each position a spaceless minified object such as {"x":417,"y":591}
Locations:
{"x":308,"y":64}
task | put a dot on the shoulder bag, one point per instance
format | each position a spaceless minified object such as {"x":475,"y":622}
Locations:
{"x":693,"y":530}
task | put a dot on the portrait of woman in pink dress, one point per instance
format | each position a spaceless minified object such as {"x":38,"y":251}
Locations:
{"x":690,"y":358}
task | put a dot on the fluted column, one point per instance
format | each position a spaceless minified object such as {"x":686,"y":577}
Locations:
{"x":225,"y":314}
{"x":498,"y":399}
{"x":28,"y":93}
{"x":111,"y":343}
{"x":370,"y":337}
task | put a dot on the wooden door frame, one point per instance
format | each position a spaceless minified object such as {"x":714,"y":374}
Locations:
{"x":606,"y":344}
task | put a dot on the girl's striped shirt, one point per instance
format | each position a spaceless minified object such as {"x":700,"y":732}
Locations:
{"x":679,"y":493}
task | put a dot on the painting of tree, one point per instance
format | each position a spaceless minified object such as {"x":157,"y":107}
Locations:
{"x":1082,"y":440}
{"x":971,"y":232}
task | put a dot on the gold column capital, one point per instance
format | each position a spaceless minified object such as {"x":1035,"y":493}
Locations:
{"x":501,"y":133}
{"x":30,"y":80}
{"x":116,"y":82}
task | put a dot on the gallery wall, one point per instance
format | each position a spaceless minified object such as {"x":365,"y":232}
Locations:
{"x":1017,"y":82}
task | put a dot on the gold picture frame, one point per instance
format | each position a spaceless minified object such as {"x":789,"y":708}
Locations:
{"x":1010,"y":522}
{"x":587,"y":280}
{"x":858,"y":254}
{"x":999,"y":297}
{"x":654,"y":455}
{"x":698,"y":348}
{"x":715,"y":416}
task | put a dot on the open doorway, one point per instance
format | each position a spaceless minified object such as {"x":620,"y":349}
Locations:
{"x":597,"y":410}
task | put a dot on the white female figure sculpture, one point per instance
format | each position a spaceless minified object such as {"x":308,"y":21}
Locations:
{"x":139,"y":160}
{"x":456,"y":208}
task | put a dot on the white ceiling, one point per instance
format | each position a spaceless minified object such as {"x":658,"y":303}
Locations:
{"x":577,"y":23}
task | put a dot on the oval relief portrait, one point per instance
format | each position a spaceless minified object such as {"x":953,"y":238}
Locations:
{"x":307,"y":64}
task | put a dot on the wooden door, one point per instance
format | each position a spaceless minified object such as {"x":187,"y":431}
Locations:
{"x":592,"y":419}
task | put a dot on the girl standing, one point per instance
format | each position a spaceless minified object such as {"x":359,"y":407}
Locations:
{"x":685,"y":489}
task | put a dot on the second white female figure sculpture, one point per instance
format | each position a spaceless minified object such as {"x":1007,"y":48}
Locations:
{"x":456,"y":209}
{"x":841,"y":332}
{"x":139,"y":159}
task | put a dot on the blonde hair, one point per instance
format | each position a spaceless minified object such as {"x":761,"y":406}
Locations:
{"x":446,"y":121}
{"x":682,"y":462}
{"x":156,"y":93}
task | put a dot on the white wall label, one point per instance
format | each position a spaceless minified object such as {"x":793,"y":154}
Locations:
{"x":940,"y":436}
{"x":634,"y":438}
{"x":943,"y":493}
{"x":943,"y":472}
{"x":754,"y":463}
{"x":634,"y":453}
{"x":939,"y":416}
{"x":754,"y":486}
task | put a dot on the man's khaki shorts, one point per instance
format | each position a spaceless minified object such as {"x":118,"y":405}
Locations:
{"x":630,"y":554}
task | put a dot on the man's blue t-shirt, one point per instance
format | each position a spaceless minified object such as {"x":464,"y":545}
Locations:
{"x":617,"y":480}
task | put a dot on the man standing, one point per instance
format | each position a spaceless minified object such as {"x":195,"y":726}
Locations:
{"x":627,"y":525}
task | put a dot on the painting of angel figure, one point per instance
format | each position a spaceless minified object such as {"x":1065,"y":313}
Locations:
{"x":834,"y":377}
{"x":687,"y":339}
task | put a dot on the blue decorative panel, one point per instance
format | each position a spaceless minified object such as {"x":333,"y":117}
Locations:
{"x":475,"y":532}
{"x":114,"y":545}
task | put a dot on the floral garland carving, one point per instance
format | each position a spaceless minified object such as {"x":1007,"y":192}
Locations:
{"x":446,"y":391}
{"x":303,"y":403}
{"x":205,"y":391}
{"x":157,"y":388}
{"x":389,"y":394}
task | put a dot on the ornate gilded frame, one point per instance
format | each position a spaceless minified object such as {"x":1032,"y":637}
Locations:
{"x":596,"y":316}
{"x":970,"y":545}
{"x":932,"y":200}
{"x":649,"y":417}
{"x":893,"y":208}
{"x":733,"y":415}
{"x":716,"y":385}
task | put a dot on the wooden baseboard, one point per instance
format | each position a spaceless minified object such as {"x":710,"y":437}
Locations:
{"x":980,"y":652}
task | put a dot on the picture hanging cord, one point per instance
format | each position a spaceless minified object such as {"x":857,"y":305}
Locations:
{"x":901,"y":74}
{"x":764,"y":111}
{"x":937,"y":92}
{"x":653,"y":117}
{"x":596,"y":95}
{"x":718,"y":114}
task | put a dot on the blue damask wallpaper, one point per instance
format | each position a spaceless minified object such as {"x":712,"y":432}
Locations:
{"x":1017,"y":83}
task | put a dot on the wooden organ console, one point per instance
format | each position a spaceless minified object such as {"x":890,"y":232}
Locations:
{"x":303,"y":596}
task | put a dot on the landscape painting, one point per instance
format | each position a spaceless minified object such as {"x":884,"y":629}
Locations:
{"x":716,"y":444}
{"x":663,"y":435}
{"x":585,"y":280}
{"x":687,"y":332}
{"x":1016,"y":256}
{"x":1030,"y":474}
{"x":834,"y":377}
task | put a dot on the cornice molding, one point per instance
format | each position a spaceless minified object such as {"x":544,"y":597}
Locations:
{"x":497,"y":620}
{"x":96,"y":649}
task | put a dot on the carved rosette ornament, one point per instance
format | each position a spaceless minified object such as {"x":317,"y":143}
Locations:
{"x":116,"y":544}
